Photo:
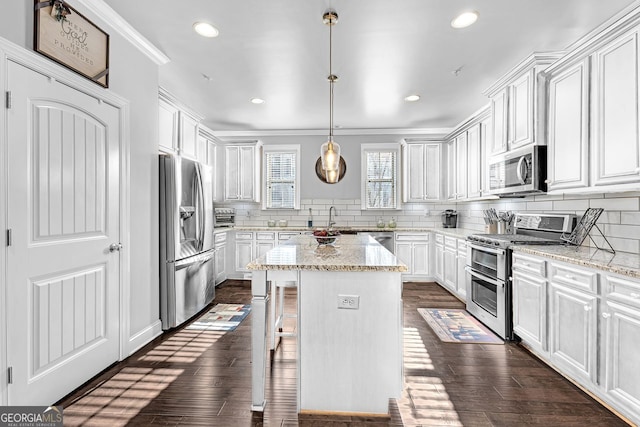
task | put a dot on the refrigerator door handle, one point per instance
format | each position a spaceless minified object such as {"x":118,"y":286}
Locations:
{"x":201,"y":207}
{"x":193,"y":260}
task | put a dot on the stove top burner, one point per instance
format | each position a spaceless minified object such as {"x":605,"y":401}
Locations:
{"x":512,"y":239}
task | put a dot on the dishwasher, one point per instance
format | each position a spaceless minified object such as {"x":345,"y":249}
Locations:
{"x":385,"y":238}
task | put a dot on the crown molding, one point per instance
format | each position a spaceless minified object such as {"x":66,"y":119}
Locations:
{"x":122,"y":27}
{"x":543,"y":59}
{"x":427,"y":132}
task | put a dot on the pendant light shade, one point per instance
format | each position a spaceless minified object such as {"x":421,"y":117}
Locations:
{"x":330,"y":155}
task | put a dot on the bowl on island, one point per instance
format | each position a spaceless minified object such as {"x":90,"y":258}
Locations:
{"x":326,"y":237}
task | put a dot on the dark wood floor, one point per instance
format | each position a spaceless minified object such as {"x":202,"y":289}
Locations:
{"x":193,"y":378}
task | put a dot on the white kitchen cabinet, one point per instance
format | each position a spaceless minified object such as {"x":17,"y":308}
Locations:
{"x":451,"y":170}
{"x":242,"y":173}
{"x":220,"y":241}
{"x":475,"y":163}
{"x":529,"y":287}
{"x":521,"y":108}
{"x":244,"y":250}
{"x":621,"y":341}
{"x":461,"y":276}
{"x":573,"y":322}
{"x":499,"y":121}
{"x":188,"y":135}
{"x":461,"y":166}
{"x":450,"y":265}
{"x":168,"y":119}
{"x":265,"y":241}
{"x":413,"y":250}
{"x":439,"y":258}
{"x":568,"y":131}
{"x":421,"y":172}
{"x":616,"y":143}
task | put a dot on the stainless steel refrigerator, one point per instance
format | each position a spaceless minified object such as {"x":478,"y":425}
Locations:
{"x":187,"y":267}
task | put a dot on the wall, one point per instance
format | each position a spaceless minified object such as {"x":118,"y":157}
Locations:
{"x":135,"y":77}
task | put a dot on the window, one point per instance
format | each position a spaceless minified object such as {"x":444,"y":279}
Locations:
{"x":380,"y":176}
{"x":281,"y":177}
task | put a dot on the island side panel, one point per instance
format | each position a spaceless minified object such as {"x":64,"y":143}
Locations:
{"x":350,"y":359}
{"x":259,"y":302}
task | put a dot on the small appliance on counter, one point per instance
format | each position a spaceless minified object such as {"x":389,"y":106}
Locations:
{"x":224,"y":217}
{"x":449,"y":218}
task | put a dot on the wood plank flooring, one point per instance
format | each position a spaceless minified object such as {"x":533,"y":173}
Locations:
{"x":193,"y":378}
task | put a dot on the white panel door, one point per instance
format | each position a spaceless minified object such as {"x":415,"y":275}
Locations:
{"x":499,"y":105}
{"x":416,"y":174}
{"x":432,"y":161}
{"x":63,"y":198}
{"x":521,"y":104}
{"x":461,"y":166}
{"x":474,"y":162}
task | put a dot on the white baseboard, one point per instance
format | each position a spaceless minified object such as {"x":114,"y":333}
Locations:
{"x":137,"y":341}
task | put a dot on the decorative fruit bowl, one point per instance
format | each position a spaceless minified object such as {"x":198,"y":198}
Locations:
{"x":326,"y":237}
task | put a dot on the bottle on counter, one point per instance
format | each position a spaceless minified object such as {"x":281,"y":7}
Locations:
{"x":392,"y":222}
{"x":310,"y":220}
{"x":380,"y":223}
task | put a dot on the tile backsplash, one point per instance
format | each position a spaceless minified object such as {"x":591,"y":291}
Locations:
{"x":620,"y":221}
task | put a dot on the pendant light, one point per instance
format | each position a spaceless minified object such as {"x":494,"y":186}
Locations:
{"x":330,"y":150}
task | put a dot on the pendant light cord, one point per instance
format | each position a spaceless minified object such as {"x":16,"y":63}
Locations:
{"x":331,"y":77}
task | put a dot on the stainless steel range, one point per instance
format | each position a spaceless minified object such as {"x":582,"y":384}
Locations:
{"x":488,"y":267}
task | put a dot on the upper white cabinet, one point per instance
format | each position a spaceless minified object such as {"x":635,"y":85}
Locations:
{"x":177,"y":127}
{"x":475,"y":161}
{"x":568,"y":149}
{"x":518,"y":105}
{"x":616,"y":146}
{"x":242,"y":167}
{"x":421,"y":173}
{"x":461,"y":166}
{"x":451,"y":170}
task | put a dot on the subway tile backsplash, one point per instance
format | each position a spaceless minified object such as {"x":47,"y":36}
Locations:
{"x":620,"y":222}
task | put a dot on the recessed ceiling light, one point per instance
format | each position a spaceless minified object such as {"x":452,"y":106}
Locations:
{"x":412,"y":98}
{"x":465,"y":19}
{"x":257,"y":100}
{"x":205,"y":29}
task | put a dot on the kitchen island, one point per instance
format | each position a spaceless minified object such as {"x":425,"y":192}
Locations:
{"x":349,"y":323}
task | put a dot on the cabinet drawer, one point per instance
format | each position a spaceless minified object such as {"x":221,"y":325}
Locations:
{"x":414,"y":237}
{"x":220,"y":237}
{"x":450,"y":242}
{"x":576,"y":278}
{"x":462,"y":246}
{"x":529,"y":265}
{"x":622,"y":289}
{"x":286,"y":235}
{"x":265,"y":235}
{"x":244,"y":235}
{"x":439,"y":238}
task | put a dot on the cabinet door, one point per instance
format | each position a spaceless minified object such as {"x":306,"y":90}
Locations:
{"x":451,"y":170}
{"x":530,"y":310}
{"x":499,"y":104}
{"x":168,"y":126}
{"x":568,"y":150}
{"x":232,"y":173}
{"x":221,"y":263}
{"x":474,"y":162}
{"x":573,"y":333}
{"x":262,"y":247}
{"x":461,"y":166}
{"x":201,"y":149}
{"x":416,"y":173}
{"x":616,"y":146}
{"x":403,"y":253}
{"x":248,"y":173}
{"x":485,"y":138}
{"x":450,"y":269}
{"x":521,"y":108}
{"x":432,"y":162}
{"x":188,"y":136}
{"x":461,"y":277}
{"x":622,"y":345}
{"x":420,"y":258}
{"x":244,"y":254}
{"x":439,"y":273}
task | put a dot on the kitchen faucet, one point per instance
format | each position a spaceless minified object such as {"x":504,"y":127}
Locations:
{"x":331,"y":223}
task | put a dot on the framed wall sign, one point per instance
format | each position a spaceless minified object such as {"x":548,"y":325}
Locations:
{"x":65,"y":36}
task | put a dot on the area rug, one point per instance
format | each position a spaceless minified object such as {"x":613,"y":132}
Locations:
{"x":456,"y":325}
{"x":222,"y":317}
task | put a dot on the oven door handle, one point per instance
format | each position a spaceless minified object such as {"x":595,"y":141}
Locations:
{"x":486,"y":249}
{"x":483,"y":277}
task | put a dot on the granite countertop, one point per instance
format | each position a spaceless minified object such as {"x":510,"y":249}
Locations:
{"x":460,"y":233}
{"x":348,"y":253}
{"x":621,"y":263}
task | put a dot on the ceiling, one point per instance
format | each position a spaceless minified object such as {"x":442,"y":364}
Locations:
{"x":383,"y":51}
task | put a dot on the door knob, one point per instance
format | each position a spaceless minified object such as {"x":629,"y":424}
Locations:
{"x":115,"y":247}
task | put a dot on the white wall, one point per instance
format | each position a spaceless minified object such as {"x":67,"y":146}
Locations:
{"x":135,"y":77}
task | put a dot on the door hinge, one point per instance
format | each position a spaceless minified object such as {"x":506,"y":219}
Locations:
{"x":7,"y":99}
{"x":10,"y":375}
{"x":9,"y":237}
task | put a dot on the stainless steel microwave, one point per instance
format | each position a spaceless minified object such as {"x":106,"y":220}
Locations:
{"x":519,"y":173}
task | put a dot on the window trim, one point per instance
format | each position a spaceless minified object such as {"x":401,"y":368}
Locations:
{"x":375,"y":148}
{"x":281,"y":148}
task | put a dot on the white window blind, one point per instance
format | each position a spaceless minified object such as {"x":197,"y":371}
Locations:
{"x":381,"y":179}
{"x":281,"y":186}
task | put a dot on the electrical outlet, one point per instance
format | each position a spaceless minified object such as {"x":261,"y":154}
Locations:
{"x":427,"y":212}
{"x":349,"y":301}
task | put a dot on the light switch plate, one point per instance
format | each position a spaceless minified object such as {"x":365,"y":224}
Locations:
{"x":349,"y":301}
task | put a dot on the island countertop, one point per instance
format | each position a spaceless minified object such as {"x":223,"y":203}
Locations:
{"x":348,"y":253}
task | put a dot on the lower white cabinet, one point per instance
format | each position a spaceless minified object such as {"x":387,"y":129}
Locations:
{"x":244,"y":250}
{"x":592,"y":319}
{"x":461,"y":276}
{"x":439,"y":259}
{"x":450,"y":266}
{"x":253,"y":244}
{"x":220,"y":240}
{"x":450,"y":261}
{"x":413,"y":250}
